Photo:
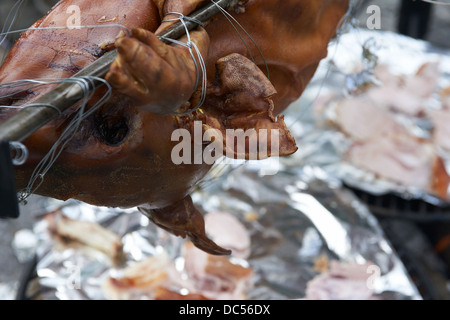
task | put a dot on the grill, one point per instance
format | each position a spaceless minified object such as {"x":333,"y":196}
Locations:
{"x":393,"y":206}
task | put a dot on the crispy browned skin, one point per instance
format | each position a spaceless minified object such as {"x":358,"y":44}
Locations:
{"x":121,"y":156}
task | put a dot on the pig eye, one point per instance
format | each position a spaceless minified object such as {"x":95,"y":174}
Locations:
{"x":113,"y":129}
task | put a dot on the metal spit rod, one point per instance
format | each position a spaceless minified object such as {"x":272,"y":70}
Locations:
{"x":28,"y":120}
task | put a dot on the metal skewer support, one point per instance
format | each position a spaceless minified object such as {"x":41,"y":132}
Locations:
{"x":28,"y":120}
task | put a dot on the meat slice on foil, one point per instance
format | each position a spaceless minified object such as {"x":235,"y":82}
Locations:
{"x":407,"y":94}
{"x":440,"y":119}
{"x":215,"y":276}
{"x":402,"y":159}
{"x":343,"y":281}
{"x":381,"y":144}
{"x":362,"y":119}
{"x":88,"y":233}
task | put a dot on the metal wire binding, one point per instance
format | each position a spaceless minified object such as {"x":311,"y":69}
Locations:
{"x":19,"y":153}
{"x":86,"y":84}
{"x":191,"y":45}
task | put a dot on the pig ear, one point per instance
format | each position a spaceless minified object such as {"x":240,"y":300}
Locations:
{"x":239,"y":105}
{"x":183,"y":219}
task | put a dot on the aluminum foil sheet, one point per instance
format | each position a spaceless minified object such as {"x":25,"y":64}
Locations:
{"x":293,"y":218}
{"x":349,"y":66}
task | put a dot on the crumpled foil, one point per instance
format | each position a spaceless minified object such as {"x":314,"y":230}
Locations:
{"x":348,"y":67}
{"x":297,"y":215}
